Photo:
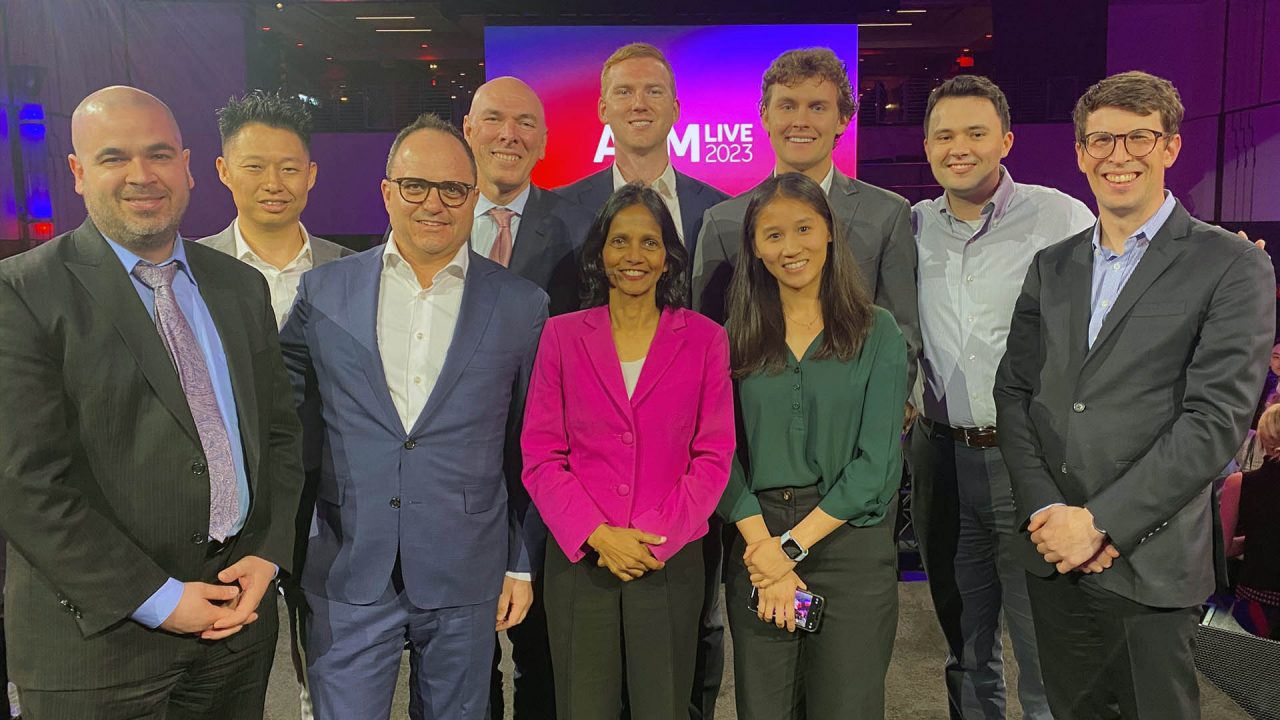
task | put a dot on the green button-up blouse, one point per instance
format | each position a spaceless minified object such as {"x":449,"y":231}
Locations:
{"x":833,"y":424}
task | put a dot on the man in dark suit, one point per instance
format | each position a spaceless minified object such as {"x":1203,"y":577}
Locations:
{"x":806,"y":106}
{"x":420,"y":350}
{"x":537,"y":235}
{"x":1135,"y":355}
{"x":266,"y":164}
{"x":151,"y":450}
{"x":638,"y":102}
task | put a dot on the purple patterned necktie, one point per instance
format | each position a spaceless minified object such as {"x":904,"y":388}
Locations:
{"x":224,"y":501}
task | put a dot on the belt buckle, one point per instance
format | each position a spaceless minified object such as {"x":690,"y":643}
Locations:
{"x":966,"y":433}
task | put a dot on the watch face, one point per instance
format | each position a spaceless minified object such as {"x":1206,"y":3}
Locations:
{"x":792,"y":549}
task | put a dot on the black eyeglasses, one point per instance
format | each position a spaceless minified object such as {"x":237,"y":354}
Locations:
{"x":1138,"y":143}
{"x":453,"y":193}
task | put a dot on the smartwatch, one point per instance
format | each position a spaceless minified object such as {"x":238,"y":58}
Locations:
{"x":792,"y":548}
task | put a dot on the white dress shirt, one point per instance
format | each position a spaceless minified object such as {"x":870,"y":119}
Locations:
{"x":484,"y":231}
{"x":826,"y":181}
{"x":282,"y":282}
{"x":415,"y":330}
{"x":665,"y":186}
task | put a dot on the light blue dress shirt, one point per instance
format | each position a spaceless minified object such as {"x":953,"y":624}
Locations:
{"x":1111,"y":271}
{"x":162,"y":603}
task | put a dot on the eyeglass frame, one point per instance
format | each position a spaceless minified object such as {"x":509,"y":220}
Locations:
{"x":437,"y":186}
{"x":1084,"y":142}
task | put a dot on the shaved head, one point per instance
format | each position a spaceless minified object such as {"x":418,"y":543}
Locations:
{"x":131,"y":168}
{"x":507,"y":131}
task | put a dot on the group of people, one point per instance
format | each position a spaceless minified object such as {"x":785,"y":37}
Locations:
{"x":575,"y":415}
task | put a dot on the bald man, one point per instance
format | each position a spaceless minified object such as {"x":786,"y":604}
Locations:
{"x":151,"y":459}
{"x":535,"y":234}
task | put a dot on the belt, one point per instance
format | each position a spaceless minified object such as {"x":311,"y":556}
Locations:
{"x":974,"y":437}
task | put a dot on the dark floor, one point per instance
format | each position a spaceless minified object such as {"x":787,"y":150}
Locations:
{"x":914,"y":687}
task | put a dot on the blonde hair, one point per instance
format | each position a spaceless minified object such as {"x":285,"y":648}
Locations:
{"x":630,"y":52}
{"x":1269,"y":430}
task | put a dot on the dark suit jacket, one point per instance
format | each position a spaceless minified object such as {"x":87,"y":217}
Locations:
{"x":547,"y":247}
{"x":102,"y":494}
{"x":875,"y":222}
{"x":696,"y":197}
{"x":1137,"y":427}
{"x":442,"y":496}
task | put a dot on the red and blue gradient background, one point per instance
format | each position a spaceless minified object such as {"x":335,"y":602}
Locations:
{"x":717,"y":71}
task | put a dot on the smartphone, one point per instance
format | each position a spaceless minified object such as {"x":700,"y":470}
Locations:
{"x":809,"y":608}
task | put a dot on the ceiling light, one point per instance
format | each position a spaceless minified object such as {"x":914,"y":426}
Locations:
{"x":885,"y":24}
{"x":912,"y":12}
{"x":413,"y":30}
{"x":386,"y":17}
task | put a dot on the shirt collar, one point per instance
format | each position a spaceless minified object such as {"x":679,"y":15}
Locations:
{"x":484,"y":205}
{"x":244,"y":251}
{"x":1147,"y":231}
{"x":996,"y":207}
{"x":457,"y":267}
{"x":129,"y":260}
{"x":665,"y":185}
{"x":826,"y":181}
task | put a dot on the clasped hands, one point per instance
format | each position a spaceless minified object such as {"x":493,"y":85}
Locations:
{"x":1067,"y":538}
{"x":215,"y":612}
{"x":625,"y":551}
{"x":774,"y":577}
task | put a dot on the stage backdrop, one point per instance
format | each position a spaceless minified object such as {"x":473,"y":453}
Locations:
{"x":717,"y":138}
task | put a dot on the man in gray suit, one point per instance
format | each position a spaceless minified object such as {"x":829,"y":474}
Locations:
{"x":266,"y":164}
{"x":806,"y":106}
{"x":1135,"y":355}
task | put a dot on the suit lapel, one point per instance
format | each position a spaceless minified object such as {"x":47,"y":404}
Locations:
{"x":361,"y":322}
{"x":103,"y":277}
{"x":1079,"y":278}
{"x":844,"y":199}
{"x":603,"y":354}
{"x":1161,"y":253}
{"x":662,"y":351}
{"x":530,"y":240}
{"x":479,"y":296}
{"x":690,"y":210}
{"x":227,"y":310}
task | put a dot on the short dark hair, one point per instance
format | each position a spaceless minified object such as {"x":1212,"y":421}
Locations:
{"x":756,"y":326}
{"x":795,"y":66}
{"x":1139,"y":93}
{"x":975,"y":86}
{"x":272,"y":109}
{"x":430,"y":121}
{"x":673,"y":286}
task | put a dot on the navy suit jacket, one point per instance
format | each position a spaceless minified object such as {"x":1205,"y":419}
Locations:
{"x":446,"y":496}
{"x":547,"y":246}
{"x":696,"y":197}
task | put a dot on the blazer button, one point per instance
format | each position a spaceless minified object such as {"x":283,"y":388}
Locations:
{"x":198,"y":468}
{"x":198,"y":539}
{"x":1078,"y":407}
{"x":395,"y":503}
{"x":410,"y":444}
{"x":624,"y":489}
{"x":1064,"y":468}
{"x":786,"y":495}
{"x":628,"y":438}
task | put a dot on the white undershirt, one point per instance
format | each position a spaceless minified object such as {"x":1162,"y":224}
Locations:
{"x":631,"y":374}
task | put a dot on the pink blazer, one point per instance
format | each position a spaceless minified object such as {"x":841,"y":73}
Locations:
{"x":658,"y":461}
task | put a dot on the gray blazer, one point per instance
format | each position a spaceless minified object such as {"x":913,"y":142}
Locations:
{"x":1137,"y":427}
{"x":875,"y":222}
{"x":322,"y":251}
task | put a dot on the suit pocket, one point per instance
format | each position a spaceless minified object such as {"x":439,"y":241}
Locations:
{"x":481,"y":498}
{"x":1157,"y":309}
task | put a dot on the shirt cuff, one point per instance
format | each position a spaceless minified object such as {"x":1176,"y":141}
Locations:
{"x":160,"y":605}
{"x":527,"y":577}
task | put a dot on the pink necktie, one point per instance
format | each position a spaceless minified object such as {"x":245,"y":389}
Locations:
{"x":180,"y":341}
{"x":501,"y":250}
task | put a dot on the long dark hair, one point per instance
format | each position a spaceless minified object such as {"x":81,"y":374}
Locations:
{"x":673,"y":286}
{"x":757,"y":329}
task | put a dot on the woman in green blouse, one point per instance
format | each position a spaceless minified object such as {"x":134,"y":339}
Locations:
{"x":821,"y":383}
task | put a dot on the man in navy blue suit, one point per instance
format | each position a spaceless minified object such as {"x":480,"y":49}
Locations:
{"x":638,"y":102}
{"x":420,"y":350}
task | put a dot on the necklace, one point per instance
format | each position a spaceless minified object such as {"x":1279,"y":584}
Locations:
{"x":811,"y":323}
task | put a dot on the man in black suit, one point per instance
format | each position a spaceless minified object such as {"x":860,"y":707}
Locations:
{"x":638,"y":102}
{"x":151,"y":451}
{"x":507,"y":131}
{"x":1135,"y":355}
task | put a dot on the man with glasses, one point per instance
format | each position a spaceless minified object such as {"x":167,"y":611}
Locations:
{"x":420,"y":350}
{"x":1134,"y":361}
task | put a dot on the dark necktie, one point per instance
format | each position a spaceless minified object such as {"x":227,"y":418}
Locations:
{"x":175,"y":331}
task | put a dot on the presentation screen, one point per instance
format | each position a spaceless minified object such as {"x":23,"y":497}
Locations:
{"x":717,"y":138}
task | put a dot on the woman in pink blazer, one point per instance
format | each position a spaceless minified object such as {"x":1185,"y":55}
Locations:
{"x":628,"y":439}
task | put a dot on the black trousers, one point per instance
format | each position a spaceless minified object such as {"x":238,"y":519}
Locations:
{"x":838,"y":671}
{"x":535,"y":692}
{"x":606,"y":635}
{"x":1104,"y":656}
{"x":708,"y":668}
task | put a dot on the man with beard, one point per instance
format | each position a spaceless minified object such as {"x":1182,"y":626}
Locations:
{"x":151,"y":448}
